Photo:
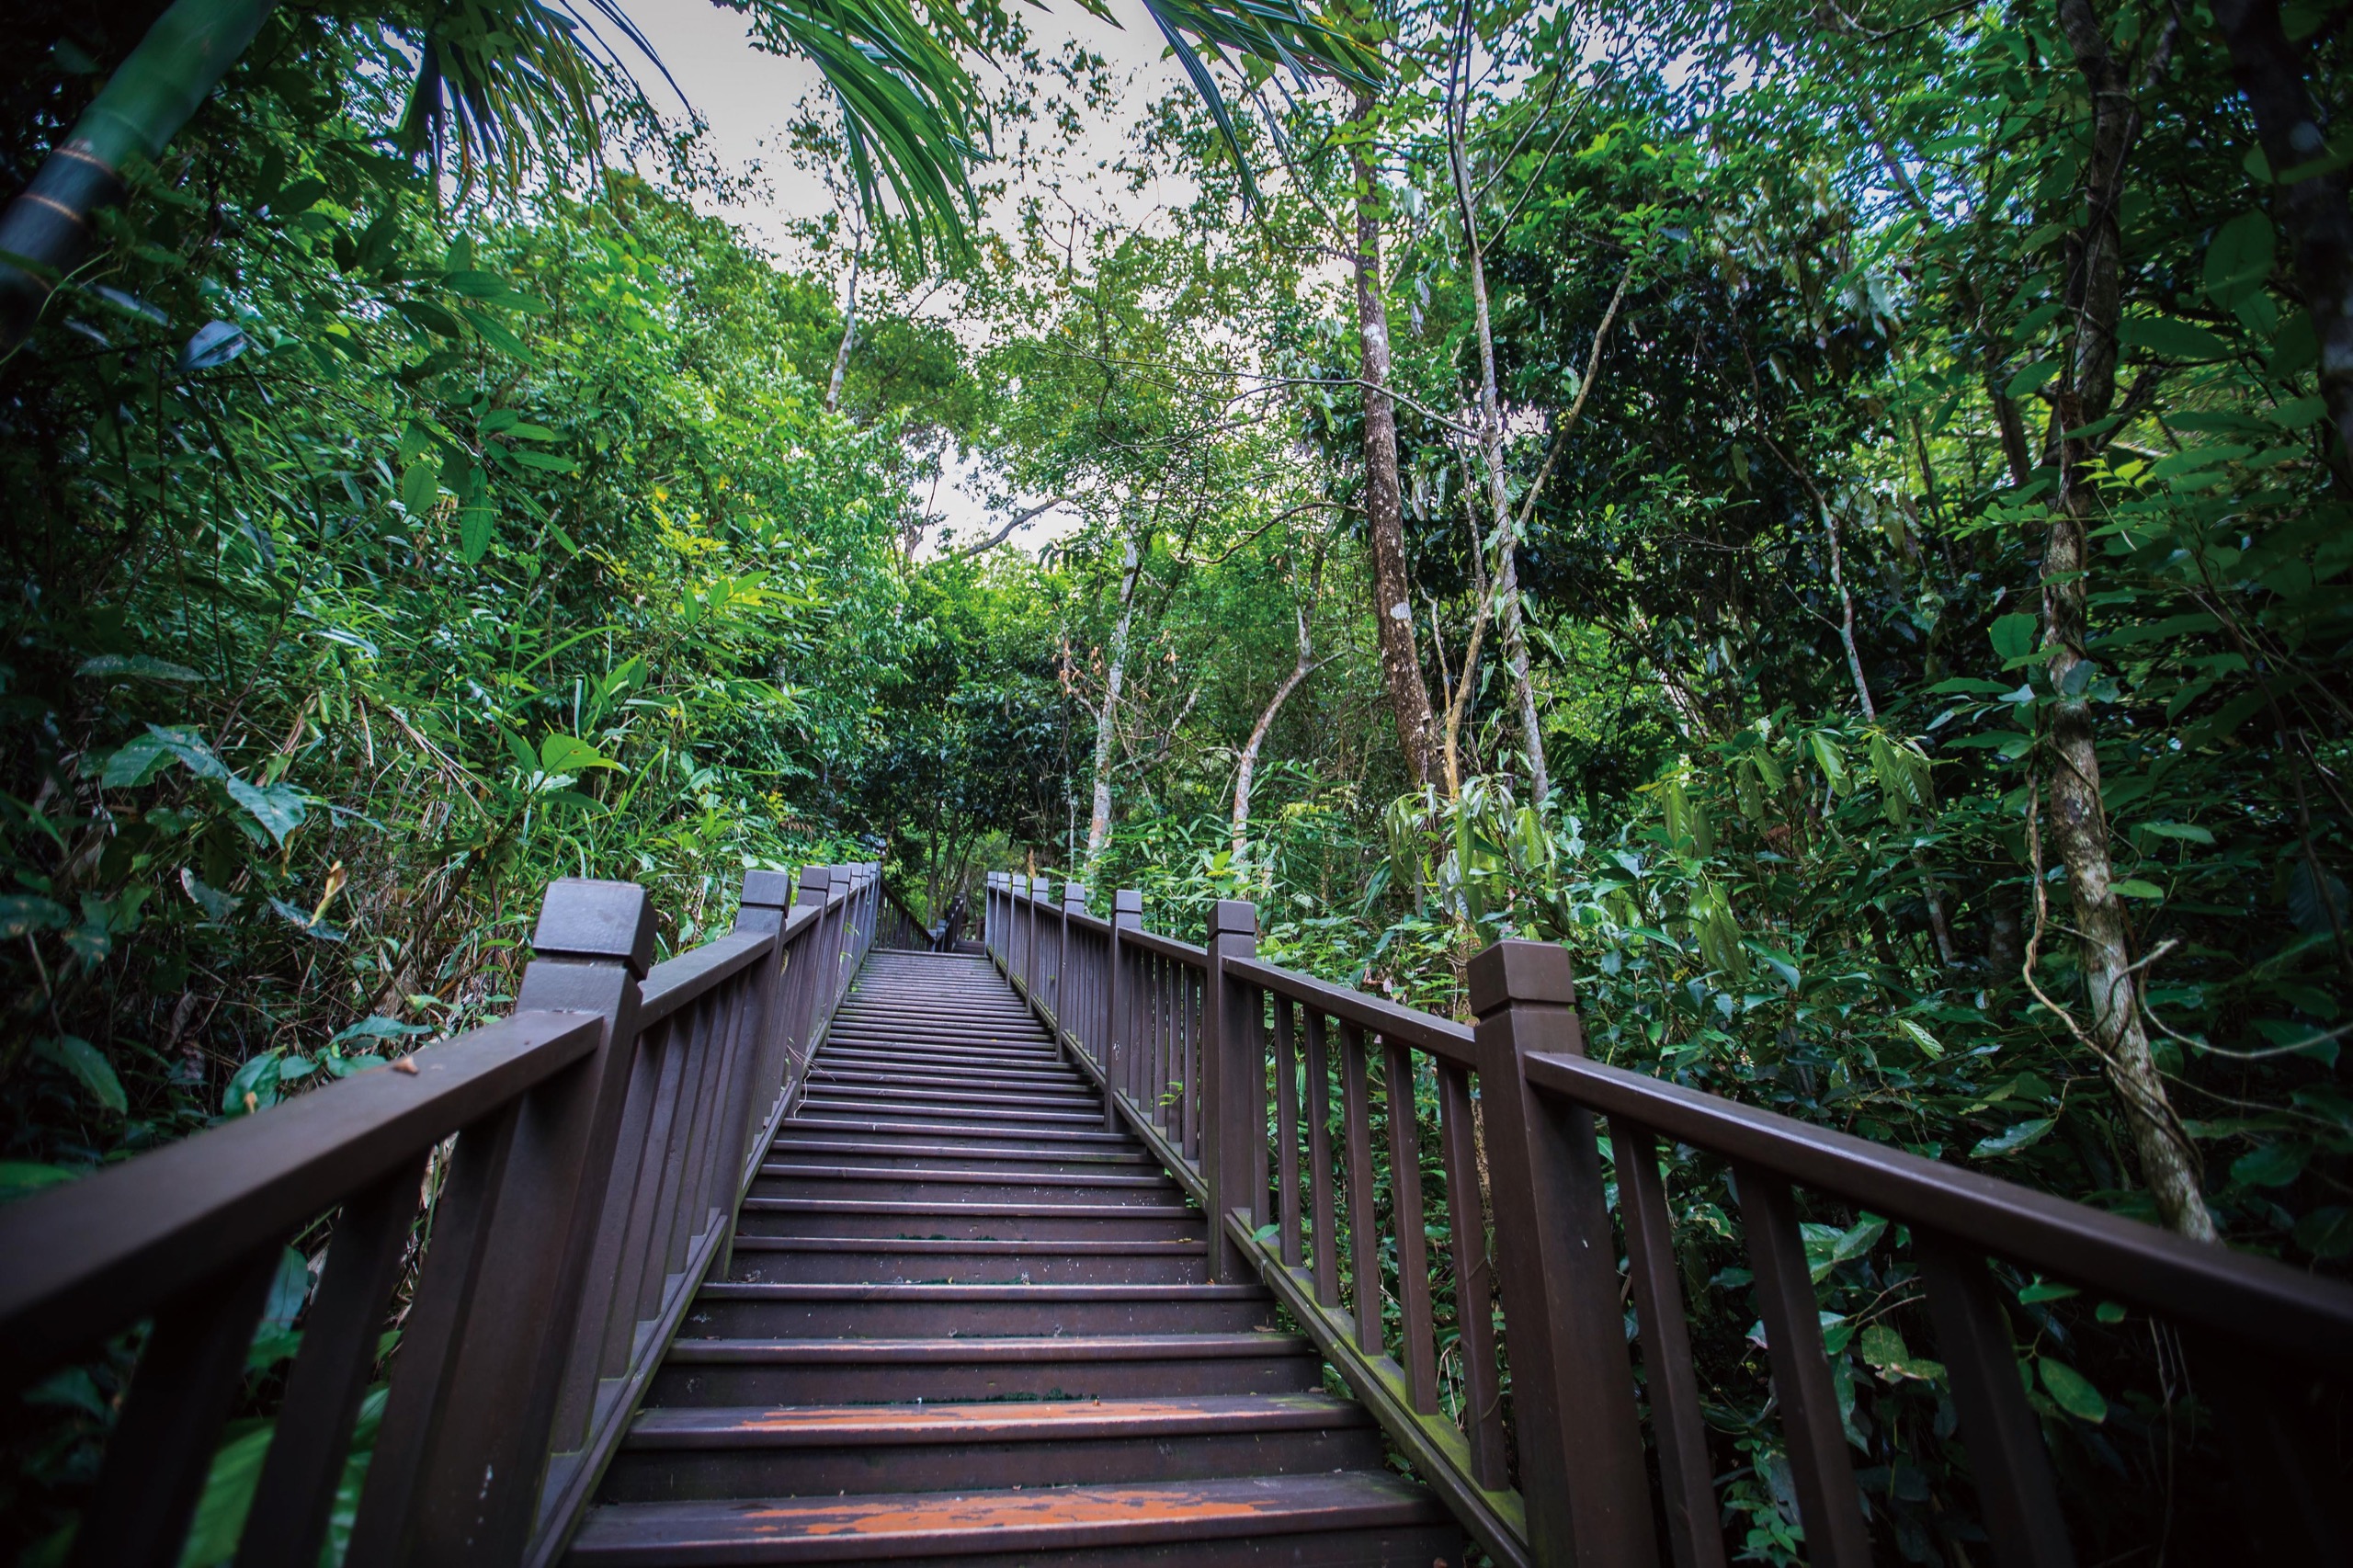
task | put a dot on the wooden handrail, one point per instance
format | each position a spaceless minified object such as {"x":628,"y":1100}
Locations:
{"x":604,"y":1133}
{"x":1186,"y":1041}
{"x":97,"y":1256}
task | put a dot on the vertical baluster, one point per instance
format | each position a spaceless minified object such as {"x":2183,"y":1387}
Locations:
{"x":724,"y":1029}
{"x":340,"y":1332}
{"x":2015,"y":1492}
{"x":1188,"y":1078}
{"x":1483,"y":1421}
{"x":1829,"y":1505}
{"x":1287,"y":1129}
{"x":423,"y":1372}
{"x":304,"y":1467}
{"x":1364,"y":1235}
{"x":1156,"y":987}
{"x":1254,"y":1045}
{"x":484,"y":1449}
{"x":1693,"y":1535}
{"x":690,"y":1039}
{"x":180,"y":1395}
{"x":608,"y":1316}
{"x":1326,"y":1234}
{"x":1413,"y":1242}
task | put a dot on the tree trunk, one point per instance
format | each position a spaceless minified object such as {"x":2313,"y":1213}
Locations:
{"x":849,"y":332}
{"x":2314,"y":212}
{"x":1099,"y":820}
{"x":2078,"y":814}
{"x":1847,"y":615}
{"x":1385,"y":508}
{"x":143,"y":105}
{"x":1491,"y":438}
{"x":1246,"y":766}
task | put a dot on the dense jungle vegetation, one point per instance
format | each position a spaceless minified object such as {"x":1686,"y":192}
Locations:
{"x":1838,"y":514}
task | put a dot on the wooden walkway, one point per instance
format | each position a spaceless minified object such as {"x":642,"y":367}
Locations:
{"x":964,"y":1322}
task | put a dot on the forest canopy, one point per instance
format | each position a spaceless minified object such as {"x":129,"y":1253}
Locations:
{"x":1837,"y":516}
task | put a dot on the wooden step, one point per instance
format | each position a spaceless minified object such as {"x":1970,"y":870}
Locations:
{"x":914,"y":1261}
{"x":918,"y":1093}
{"x":995,"y":1221}
{"x":945,"y":1184}
{"x":842,"y":1120}
{"x":816,"y":1450}
{"x":749,"y":1309}
{"x":947,"y":1064}
{"x":1346,"y":1517}
{"x":824,"y":1104}
{"x":953,"y":1369}
{"x":795,"y":1140}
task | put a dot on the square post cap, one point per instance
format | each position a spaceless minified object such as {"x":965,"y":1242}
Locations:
{"x":1126,"y":901}
{"x":1514,"y":970}
{"x":1074,"y":897}
{"x":814,"y":881}
{"x":582,"y":918}
{"x":1233,"y":917}
{"x":767,"y":890}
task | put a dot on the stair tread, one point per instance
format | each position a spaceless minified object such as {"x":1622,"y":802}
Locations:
{"x":993,"y":1421}
{"x":801,"y":1143}
{"x":971,"y":1211}
{"x":961,"y":1178}
{"x":921,"y":1245}
{"x":997,"y":1347}
{"x":792,"y":1291}
{"x":1059,"y":1134}
{"x":896,"y":1524}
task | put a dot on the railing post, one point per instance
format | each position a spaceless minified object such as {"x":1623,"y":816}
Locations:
{"x":808,"y":961}
{"x":766,"y":900}
{"x":1073,"y":902}
{"x":1572,"y":1386}
{"x":1231,"y":1070}
{"x":459,"y":1460}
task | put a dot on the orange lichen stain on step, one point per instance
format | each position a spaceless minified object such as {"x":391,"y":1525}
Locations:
{"x":1005,"y":1510}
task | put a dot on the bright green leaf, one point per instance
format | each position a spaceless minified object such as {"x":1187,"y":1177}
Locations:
{"x":88,"y":1066}
{"x":2024,"y":1135}
{"x":2071,"y":1390}
{"x":2013,"y":635}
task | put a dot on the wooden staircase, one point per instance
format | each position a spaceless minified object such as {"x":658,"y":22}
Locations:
{"x":965,"y":1322}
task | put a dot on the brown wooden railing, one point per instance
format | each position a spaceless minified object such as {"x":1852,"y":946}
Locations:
{"x":900,"y":928}
{"x":1268,"y":1093}
{"x":586,"y":1153}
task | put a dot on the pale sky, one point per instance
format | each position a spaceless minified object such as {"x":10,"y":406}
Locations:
{"x":748,"y":97}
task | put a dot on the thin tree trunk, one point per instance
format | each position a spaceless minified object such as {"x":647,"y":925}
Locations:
{"x":849,"y":332}
{"x":2315,"y":211}
{"x":1464,"y":692}
{"x":1847,"y":614}
{"x":2079,"y":814}
{"x":1246,"y":766}
{"x":1401,"y":661}
{"x":1491,"y":438}
{"x":1099,"y":820}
